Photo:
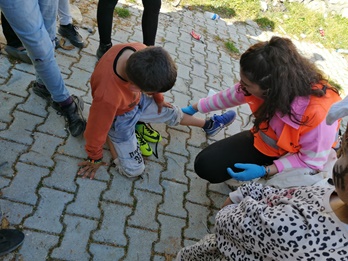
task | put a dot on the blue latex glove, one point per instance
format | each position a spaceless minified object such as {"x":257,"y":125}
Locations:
{"x":189,"y":110}
{"x":251,"y":171}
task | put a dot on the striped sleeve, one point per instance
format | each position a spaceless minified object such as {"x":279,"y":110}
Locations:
{"x":315,"y":149}
{"x":228,"y":98}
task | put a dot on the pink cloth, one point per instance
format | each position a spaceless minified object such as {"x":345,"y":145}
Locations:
{"x":315,"y":144}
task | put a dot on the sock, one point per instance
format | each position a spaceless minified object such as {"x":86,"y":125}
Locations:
{"x":208,"y":124}
{"x":66,"y":103}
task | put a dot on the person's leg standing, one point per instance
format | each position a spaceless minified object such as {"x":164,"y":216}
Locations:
{"x":105,"y":14}
{"x":11,"y":37}
{"x":212,"y":162}
{"x":26,"y":20}
{"x":149,"y":21}
{"x":64,"y":15}
{"x":49,"y":11}
{"x":66,"y":27}
{"x":14,"y":46}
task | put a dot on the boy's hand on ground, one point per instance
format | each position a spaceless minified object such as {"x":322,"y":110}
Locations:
{"x":163,"y":104}
{"x":250,"y":171}
{"x":88,"y":169}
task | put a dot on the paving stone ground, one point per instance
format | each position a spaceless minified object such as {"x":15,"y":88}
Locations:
{"x":112,"y":217}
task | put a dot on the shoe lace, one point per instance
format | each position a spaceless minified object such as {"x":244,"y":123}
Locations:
{"x":151,"y":131}
{"x":75,"y":28}
{"x":140,"y":138}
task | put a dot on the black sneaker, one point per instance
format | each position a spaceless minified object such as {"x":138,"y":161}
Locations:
{"x":103,"y":48}
{"x":74,"y":117}
{"x":41,"y":90}
{"x":70,"y":32}
{"x":10,"y":239}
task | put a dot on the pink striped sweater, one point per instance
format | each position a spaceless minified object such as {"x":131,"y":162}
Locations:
{"x":315,"y":144}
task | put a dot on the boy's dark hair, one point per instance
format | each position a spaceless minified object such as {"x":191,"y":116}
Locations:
{"x":152,"y":69}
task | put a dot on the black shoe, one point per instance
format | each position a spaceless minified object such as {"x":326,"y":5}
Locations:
{"x":70,"y":32}
{"x":74,"y":117}
{"x":56,"y":43}
{"x":103,"y":48}
{"x":10,"y":239}
{"x":41,"y":90}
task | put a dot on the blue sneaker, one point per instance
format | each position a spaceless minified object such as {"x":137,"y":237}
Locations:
{"x":219,"y":122}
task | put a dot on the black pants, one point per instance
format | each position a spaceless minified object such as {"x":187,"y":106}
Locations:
{"x":212,"y":162}
{"x":11,"y":37}
{"x":149,"y":21}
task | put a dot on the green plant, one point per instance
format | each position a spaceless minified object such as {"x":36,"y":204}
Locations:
{"x":230,"y":46}
{"x":290,"y":17}
{"x":122,"y":12}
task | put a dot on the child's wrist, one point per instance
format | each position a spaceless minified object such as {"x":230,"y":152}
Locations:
{"x":94,"y":161}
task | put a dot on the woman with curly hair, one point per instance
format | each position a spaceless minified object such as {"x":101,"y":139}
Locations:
{"x":264,"y":223}
{"x":290,"y":143}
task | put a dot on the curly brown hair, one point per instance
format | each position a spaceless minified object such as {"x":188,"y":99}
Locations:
{"x":283,"y":73}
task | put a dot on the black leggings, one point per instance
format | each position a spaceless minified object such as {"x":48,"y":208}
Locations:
{"x":11,"y":37}
{"x":211,"y":163}
{"x":149,"y":22}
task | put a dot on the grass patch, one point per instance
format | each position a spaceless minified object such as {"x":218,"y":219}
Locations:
{"x":122,"y":12}
{"x":230,"y":47}
{"x":293,"y":18}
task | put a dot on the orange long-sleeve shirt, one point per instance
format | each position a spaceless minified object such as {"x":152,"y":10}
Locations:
{"x":111,"y":97}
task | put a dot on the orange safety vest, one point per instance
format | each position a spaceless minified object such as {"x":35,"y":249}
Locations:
{"x":267,"y":142}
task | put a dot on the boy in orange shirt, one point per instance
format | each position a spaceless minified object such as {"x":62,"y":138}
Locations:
{"x":126,"y":87}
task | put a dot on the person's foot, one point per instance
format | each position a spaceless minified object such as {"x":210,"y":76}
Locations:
{"x":74,"y":117}
{"x":41,"y":90}
{"x":218,"y":122}
{"x":149,"y":134}
{"x":19,"y":53}
{"x":10,"y":239}
{"x":70,"y":32}
{"x":56,"y":43}
{"x":145,"y":148}
{"x":102,"y":49}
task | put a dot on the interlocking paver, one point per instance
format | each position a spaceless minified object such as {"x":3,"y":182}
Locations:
{"x":14,"y":212}
{"x":42,"y":150}
{"x":63,"y":175}
{"x":145,"y":214}
{"x":113,"y":217}
{"x":75,"y":241}
{"x":49,"y":210}
{"x":24,"y":184}
{"x":112,"y":227}
{"x":140,"y":247}
{"x":171,"y":228}
{"x":105,"y":252}
{"x":87,"y":198}
{"x":36,"y":245}
{"x":173,"y":198}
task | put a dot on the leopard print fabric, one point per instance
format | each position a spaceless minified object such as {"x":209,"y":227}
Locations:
{"x":275,"y":224}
